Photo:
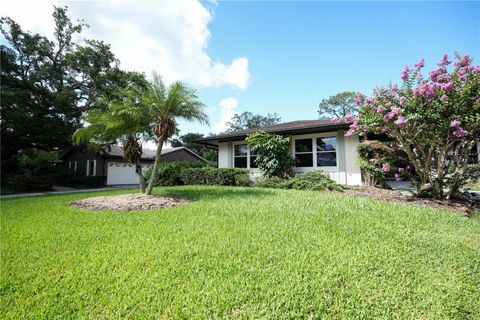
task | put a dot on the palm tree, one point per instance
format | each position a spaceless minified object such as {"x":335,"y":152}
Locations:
{"x":165,"y":107}
{"x":121,"y":120}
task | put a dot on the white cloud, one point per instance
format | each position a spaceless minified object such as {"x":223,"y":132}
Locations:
{"x":227,"y":111}
{"x":152,"y":145}
{"x":170,"y":37}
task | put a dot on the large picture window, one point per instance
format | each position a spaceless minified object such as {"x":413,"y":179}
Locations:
{"x":326,"y":152}
{"x":304,"y":152}
{"x":316,"y":152}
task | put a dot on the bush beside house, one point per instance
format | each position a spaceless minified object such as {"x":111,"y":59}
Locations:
{"x":313,"y":180}
{"x":380,"y":161}
{"x":71,"y":178}
{"x":170,"y":173}
{"x":22,"y":183}
{"x":215,"y":176}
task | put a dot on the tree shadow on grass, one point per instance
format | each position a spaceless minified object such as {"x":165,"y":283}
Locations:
{"x":206,"y":192}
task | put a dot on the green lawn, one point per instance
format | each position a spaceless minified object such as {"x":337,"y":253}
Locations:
{"x":239,"y":253}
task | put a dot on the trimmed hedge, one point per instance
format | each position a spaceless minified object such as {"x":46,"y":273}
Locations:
{"x":71,"y":178}
{"x":169,"y":173}
{"x":21,"y":183}
{"x":314,"y":180}
{"x":215,"y":176}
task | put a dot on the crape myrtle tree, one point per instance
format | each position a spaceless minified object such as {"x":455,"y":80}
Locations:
{"x":434,"y":119}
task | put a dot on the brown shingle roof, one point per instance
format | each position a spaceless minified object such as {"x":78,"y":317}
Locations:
{"x":292,"y":127}
{"x":148,"y":154}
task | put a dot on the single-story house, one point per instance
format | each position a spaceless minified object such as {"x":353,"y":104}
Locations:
{"x":110,"y":163}
{"x":316,"y":144}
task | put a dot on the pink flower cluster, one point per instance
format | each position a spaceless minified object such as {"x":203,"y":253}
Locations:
{"x":359,"y":99}
{"x":449,"y":86}
{"x":393,"y":104}
{"x":353,"y":128}
{"x":386,"y":167}
{"x":426,"y":89}
{"x":459,"y":132}
{"x":444,"y":62}
{"x":401,"y":122}
{"x":405,"y":73}
{"x":420,"y":64}
{"x":349,"y":118}
{"x":455,"y":124}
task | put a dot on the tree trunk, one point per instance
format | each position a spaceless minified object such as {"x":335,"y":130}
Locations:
{"x":138,"y":170}
{"x":153,"y":177}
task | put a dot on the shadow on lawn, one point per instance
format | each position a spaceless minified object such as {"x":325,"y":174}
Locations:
{"x":202,"y":192}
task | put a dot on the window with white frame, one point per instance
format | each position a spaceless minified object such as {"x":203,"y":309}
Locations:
{"x":243,"y":158}
{"x":91,"y":167}
{"x":316,"y":152}
{"x":304,"y":152}
{"x":240,"y":156}
{"x":72,"y":165}
{"x":326,"y":152}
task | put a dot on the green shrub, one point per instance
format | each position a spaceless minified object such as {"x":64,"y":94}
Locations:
{"x":273,"y":154}
{"x":169,"y":173}
{"x":382,"y":160}
{"x":71,"y":178}
{"x":243,"y":180}
{"x":21,"y":183}
{"x":93,"y":181}
{"x":214,"y":176}
{"x":472,"y":172}
{"x":68,"y":178}
{"x":313,"y":180}
{"x":37,"y":160}
{"x":272,"y":182}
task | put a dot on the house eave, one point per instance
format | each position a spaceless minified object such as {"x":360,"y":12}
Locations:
{"x":215,"y":140}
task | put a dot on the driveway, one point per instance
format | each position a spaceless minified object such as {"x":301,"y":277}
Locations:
{"x":67,"y":190}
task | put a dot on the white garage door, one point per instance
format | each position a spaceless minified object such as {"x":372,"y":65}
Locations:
{"x":122,"y":173}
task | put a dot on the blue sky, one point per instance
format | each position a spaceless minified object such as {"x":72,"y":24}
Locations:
{"x":267,"y":56}
{"x":301,"y":52}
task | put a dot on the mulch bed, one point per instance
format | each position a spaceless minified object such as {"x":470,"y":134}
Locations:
{"x":461,"y":207}
{"x":128,"y":202}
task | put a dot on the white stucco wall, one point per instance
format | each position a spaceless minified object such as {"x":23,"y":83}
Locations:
{"x":223,"y":155}
{"x":354,"y":175}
